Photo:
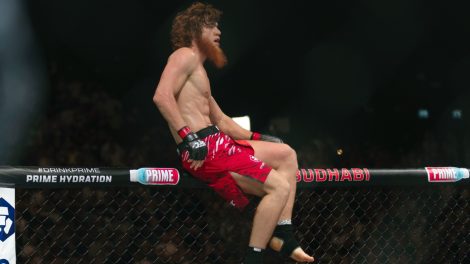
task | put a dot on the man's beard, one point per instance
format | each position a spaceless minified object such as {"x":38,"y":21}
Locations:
{"x":213,"y":52}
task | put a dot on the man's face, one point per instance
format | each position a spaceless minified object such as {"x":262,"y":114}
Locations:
{"x":210,"y":45}
{"x":211,"y":34}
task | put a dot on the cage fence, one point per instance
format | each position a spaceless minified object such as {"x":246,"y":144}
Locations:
{"x":137,"y":224}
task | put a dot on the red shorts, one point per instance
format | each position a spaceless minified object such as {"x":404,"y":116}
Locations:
{"x":226,"y":155}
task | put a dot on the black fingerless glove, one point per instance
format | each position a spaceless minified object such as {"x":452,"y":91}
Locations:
{"x":258,"y":136}
{"x":196,"y":148}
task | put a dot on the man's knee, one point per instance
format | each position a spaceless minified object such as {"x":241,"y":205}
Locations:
{"x":290,"y":159}
{"x":287,"y":154}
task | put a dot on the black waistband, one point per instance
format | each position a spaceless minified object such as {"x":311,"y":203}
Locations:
{"x":205,"y":132}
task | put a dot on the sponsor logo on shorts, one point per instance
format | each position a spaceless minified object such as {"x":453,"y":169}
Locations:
{"x":254,"y":159}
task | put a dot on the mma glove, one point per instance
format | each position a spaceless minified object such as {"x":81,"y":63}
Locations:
{"x":196,"y":148}
{"x":269,"y":138}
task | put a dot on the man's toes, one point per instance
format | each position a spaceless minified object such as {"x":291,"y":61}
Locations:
{"x":299,"y":255}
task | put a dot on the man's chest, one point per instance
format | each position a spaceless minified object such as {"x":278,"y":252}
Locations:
{"x":201,"y":83}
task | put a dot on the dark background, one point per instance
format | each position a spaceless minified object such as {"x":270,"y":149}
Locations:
{"x":78,"y":76}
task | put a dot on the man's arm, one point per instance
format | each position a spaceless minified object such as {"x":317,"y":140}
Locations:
{"x":225,"y":123}
{"x":179,"y":67}
{"x":231,"y":128}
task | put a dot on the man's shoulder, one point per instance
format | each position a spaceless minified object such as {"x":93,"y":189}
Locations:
{"x":183,"y":56}
{"x":183,"y":53}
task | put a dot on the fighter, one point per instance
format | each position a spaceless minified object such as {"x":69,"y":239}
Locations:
{"x":215,"y":149}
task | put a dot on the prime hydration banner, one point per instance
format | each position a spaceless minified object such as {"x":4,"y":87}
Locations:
{"x":7,"y":226}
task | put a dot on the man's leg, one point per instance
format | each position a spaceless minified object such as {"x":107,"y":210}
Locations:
{"x":283,"y":159}
{"x":274,"y":193}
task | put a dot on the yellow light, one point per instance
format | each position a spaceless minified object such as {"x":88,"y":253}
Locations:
{"x":339,"y":152}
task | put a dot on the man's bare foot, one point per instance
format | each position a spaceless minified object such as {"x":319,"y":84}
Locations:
{"x":298,"y":254}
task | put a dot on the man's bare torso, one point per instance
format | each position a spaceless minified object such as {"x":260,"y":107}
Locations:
{"x":193,"y":101}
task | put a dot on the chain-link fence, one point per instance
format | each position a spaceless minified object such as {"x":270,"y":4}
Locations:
{"x":427,"y":224}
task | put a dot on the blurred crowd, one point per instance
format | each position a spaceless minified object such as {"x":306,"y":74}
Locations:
{"x":85,"y":125}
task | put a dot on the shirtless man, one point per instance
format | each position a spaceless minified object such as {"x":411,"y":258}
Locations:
{"x":230,"y":159}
